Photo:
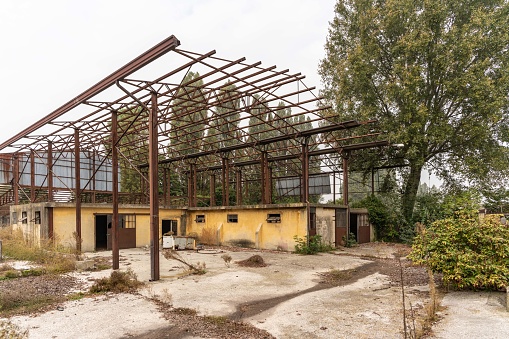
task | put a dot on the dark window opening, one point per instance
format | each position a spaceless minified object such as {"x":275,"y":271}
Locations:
{"x":24,"y":218}
{"x":37,"y":217}
{"x":233,"y":218}
{"x":273,"y":217}
{"x":200,"y":218}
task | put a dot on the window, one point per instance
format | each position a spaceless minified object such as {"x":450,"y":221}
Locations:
{"x":24,"y":218}
{"x":128,"y":221}
{"x":37,"y":217}
{"x":312,"y":220}
{"x":233,"y":218}
{"x":273,"y":217}
{"x":200,"y":218}
{"x":14,"y":217}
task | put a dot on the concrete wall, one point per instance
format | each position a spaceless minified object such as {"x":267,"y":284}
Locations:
{"x":252,"y":228}
{"x":33,"y":232}
{"x":325,"y":224}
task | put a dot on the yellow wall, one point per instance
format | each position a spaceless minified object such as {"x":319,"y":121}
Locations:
{"x":252,"y":228}
{"x":65,"y":224}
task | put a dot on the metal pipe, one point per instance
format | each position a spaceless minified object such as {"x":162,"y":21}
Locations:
{"x":114,"y":189}
{"x":154,"y":189}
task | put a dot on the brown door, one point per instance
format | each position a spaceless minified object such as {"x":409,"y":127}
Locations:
{"x":126,"y":231}
{"x":340,"y":226}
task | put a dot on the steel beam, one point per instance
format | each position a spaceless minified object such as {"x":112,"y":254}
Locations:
{"x":152,"y":54}
{"x":114,"y":189}
{"x":77,"y":187}
{"x":212,"y":190}
{"x":238,"y":187}
{"x":32,"y":176}
{"x":154,"y":189}
{"x":305,"y":171}
{"x":49,"y":164}
{"x":15,"y":178}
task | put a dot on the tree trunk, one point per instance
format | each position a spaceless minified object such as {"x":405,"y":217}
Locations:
{"x":411,"y":187}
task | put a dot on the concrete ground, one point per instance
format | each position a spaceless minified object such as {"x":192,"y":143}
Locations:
{"x":284,"y":298}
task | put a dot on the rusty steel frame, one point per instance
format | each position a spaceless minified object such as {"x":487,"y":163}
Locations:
{"x":234,"y":119}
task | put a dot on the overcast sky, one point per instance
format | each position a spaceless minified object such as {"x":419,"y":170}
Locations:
{"x":53,"y":50}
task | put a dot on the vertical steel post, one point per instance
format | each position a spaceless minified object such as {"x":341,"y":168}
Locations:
{"x":372,"y":181}
{"x":269,"y":184}
{"x":195,"y":190}
{"x":264,"y":169}
{"x":226,"y":180}
{"x":114,"y":189}
{"x":305,"y":172}
{"x":77,"y":178}
{"x":32,"y":176}
{"x":154,"y":194}
{"x":345,"y":156}
{"x":50,"y":171}
{"x":333,"y":187}
{"x":94,"y":154}
{"x":165,"y":186}
{"x":212,"y":190}
{"x":238,"y":187}
{"x":15,"y":177}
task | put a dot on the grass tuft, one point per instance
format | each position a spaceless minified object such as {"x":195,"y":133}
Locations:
{"x":117,"y":282}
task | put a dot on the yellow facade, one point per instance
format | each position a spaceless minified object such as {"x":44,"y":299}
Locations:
{"x":252,"y":228}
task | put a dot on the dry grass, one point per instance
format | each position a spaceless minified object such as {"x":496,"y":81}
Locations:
{"x":117,"y":282}
{"x":335,"y":277}
{"x":199,"y":268}
{"x":208,"y":236}
{"x":8,"y":330}
{"x":54,"y":260}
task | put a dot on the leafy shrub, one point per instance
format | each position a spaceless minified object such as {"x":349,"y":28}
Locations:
{"x":350,"y":240}
{"x":470,"y":253}
{"x":313,"y":246}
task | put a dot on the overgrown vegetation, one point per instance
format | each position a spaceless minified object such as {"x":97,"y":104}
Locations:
{"x":471,"y":253}
{"x":117,"y":282}
{"x":313,"y":246}
{"x":349,"y":241}
{"x":53,"y":259}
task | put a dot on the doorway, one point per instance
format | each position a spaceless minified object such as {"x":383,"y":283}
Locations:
{"x":353,"y":226}
{"x":101,"y":231}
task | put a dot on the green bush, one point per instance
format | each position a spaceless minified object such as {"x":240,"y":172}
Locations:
{"x":313,"y":246}
{"x":470,"y":253}
{"x":350,"y":241}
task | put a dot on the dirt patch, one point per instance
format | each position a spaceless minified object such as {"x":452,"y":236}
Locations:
{"x":35,"y":294}
{"x":191,"y":324}
{"x":253,"y":261}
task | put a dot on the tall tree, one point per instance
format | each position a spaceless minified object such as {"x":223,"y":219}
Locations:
{"x":436,"y":75}
{"x":189,"y":114}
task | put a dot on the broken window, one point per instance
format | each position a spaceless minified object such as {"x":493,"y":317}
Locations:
{"x":233,"y":218}
{"x":24,"y":218}
{"x":274,"y":217}
{"x":37,"y":218}
{"x":200,"y":218}
{"x":128,"y":221}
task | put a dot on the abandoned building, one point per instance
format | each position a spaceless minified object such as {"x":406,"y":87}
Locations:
{"x":224,"y":151}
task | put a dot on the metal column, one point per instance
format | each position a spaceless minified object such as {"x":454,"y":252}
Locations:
{"x":225,"y":172}
{"x":154,"y":194}
{"x":264,"y":170}
{"x":114,"y":189}
{"x":15,"y":178}
{"x":32,"y":176}
{"x":305,"y":172}
{"x":77,"y":187}
{"x":50,"y":171}
{"x":238,"y":187}
{"x":345,"y":156}
{"x":212,"y":191}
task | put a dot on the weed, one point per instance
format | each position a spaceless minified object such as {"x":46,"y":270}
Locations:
{"x":10,"y":274}
{"x":350,"y":241}
{"x":227,"y":259}
{"x":19,"y":301}
{"x":184,"y":311}
{"x":8,"y":330}
{"x":117,"y":282}
{"x":313,"y":246}
{"x":55,"y":260}
{"x":216,"y":320}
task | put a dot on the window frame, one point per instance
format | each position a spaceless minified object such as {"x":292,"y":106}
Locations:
{"x":232,"y":218}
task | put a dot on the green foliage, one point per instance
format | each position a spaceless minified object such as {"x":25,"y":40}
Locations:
{"x":386,"y":221}
{"x":436,"y":76}
{"x":349,"y":241}
{"x":313,"y":246}
{"x":470,"y":253}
